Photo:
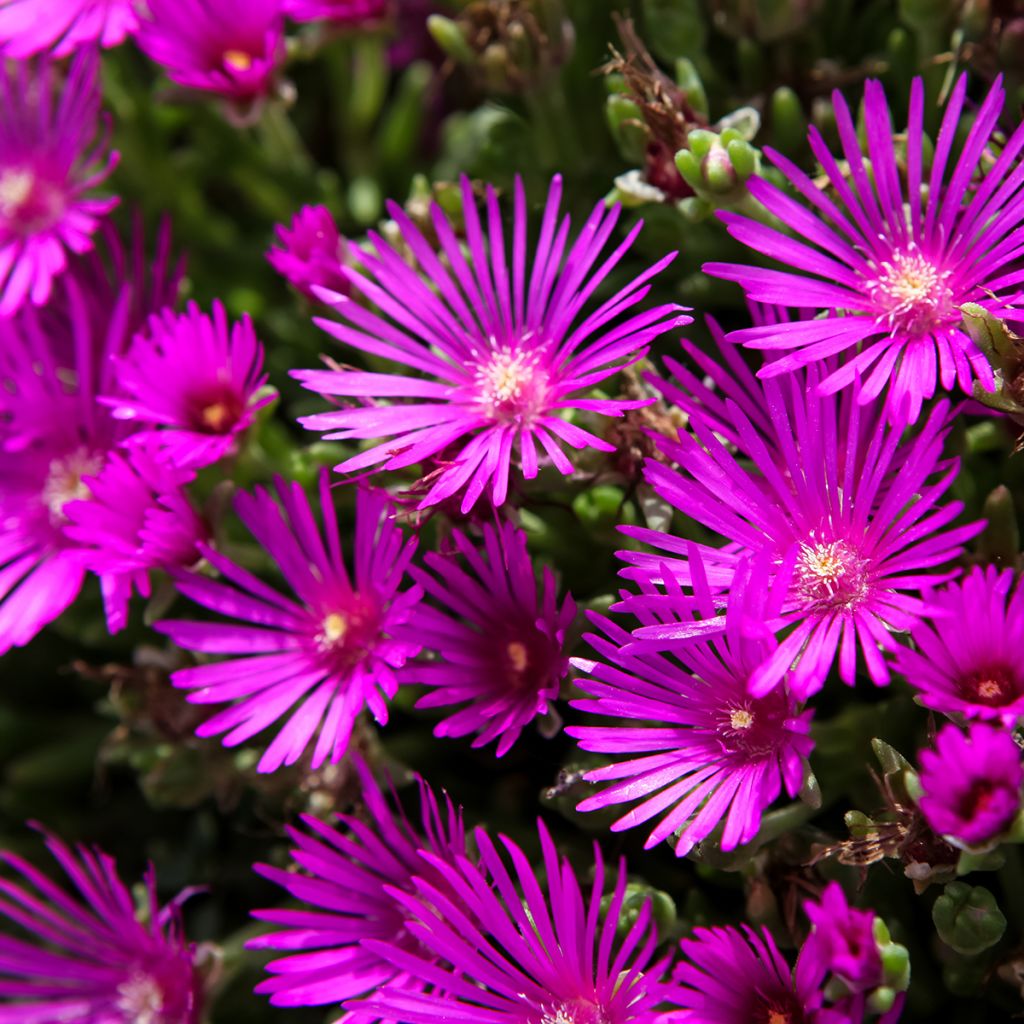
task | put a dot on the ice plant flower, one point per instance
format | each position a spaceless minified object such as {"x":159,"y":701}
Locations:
{"x":333,"y":647}
{"x":499,"y":645}
{"x":890,"y":263}
{"x":704,"y":751}
{"x":80,"y":953}
{"x":729,"y":976}
{"x":192,"y":383}
{"x":51,"y":159}
{"x":337,"y":12}
{"x":136,"y":517}
{"x":965,"y":655}
{"x":971,"y":784}
{"x":505,"y":947}
{"x":28,"y":27}
{"x":53,"y":363}
{"x":344,"y":887}
{"x":492,"y":359}
{"x":312,"y":252}
{"x":831,"y":495}
{"x":230,"y":47}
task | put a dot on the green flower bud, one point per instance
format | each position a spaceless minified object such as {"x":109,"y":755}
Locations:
{"x":1000,"y":543}
{"x":638,"y":895}
{"x":789,"y":123}
{"x":967,"y":918}
{"x":448,"y":36}
{"x":717,"y":171}
{"x":625,"y":121}
{"x":690,"y":82}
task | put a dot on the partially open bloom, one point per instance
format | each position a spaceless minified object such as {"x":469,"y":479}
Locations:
{"x":966,"y":653}
{"x":344,"y":887}
{"x":50,"y":160}
{"x":326,"y":652}
{"x":312,"y":252}
{"x":191,"y":383}
{"x":729,"y":976}
{"x":231,"y":47}
{"x":971,"y":784}
{"x":337,"y":12}
{"x":704,"y":751}
{"x":491,"y":358}
{"x":891,"y":263}
{"x":136,"y":517}
{"x":80,"y":953}
{"x":53,"y":363}
{"x":28,"y":27}
{"x":843,"y":507}
{"x":499,"y":645}
{"x":504,"y":947}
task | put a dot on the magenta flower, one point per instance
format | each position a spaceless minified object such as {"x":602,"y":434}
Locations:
{"x":312,"y":252}
{"x":334,"y":647}
{"x":53,"y":362}
{"x":501,"y":356}
{"x":50,"y":159}
{"x":890,"y":269}
{"x":704,"y":750}
{"x":82,"y":954}
{"x":136,"y":517}
{"x":344,"y":885}
{"x":843,"y":508}
{"x":966,"y":657}
{"x":28,"y":27}
{"x":971,"y":784}
{"x":499,"y":646}
{"x":191,"y":383}
{"x":230,"y":47}
{"x":337,"y":12}
{"x":844,"y":939}
{"x":730,"y":976}
{"x":505,"y":947}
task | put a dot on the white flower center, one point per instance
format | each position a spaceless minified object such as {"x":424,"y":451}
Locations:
{"x":333,"y":631}
{"x":140,"y":999}
{"x":510,"y":386}
{"x":16,"y":186}
{"x":831,"y":574}
{"x":911,"y":293}
{"x":741,"y":719}
{"x":64,"y":481}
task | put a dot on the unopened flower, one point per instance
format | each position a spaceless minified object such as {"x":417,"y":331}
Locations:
{"x":500,"y":646}
{"x":891,"y":263}
{"x":492,"y":355}
{"x":503,"y":947}
{"x":844,"y":507}
{"x":966,"y":652}
{"x":191,"y":383}
{"x":316,"y":657}
{"x":80,"y":953}
{"x":136,"y":517}
{"x":344,"y":886}
{"x":311,"y":252}
{"x":971,"y":784}
{"x":230,"y":47}
{"x":51,"y":159}
{"x":687,"y":740}
{"x":28,"y":27}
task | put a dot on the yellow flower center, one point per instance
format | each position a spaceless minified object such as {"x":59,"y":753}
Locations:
{"x":141,"y":999}
{"x":333,"y":631}
{"x":64,"y":481}
{"x":238,"y":60}
{"x":741,"y":719}
{"x":16,"y":185}
{"x":911,"y":292}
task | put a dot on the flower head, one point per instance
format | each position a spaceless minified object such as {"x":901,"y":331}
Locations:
{"x":730,"y":976}
{"x":28,"y":27}
{"x":706,"y":751}
{"x":337,"y":12}
{"x":502,"y":355}
{"x":312,"y":252}
{"x":191,"y":383}
{"x":503,"y":947}
{"x":334,"y":646}
{"x":891,"y":268}
{"x":971,"y":784}
{"x":50,"y":160}
{"x":136,"y":517}
{"x":843,"y":507}
{"x":82,"y":954}
{"x":230,"y":47}
{"x":344,"y":886}
{"x":53,"y":431}
{"x":499,"y":646}
{"x":965,"y":657}
{"x":844,"y":938}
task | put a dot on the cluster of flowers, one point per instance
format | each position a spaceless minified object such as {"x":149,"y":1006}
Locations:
{"x":823,"y":475}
